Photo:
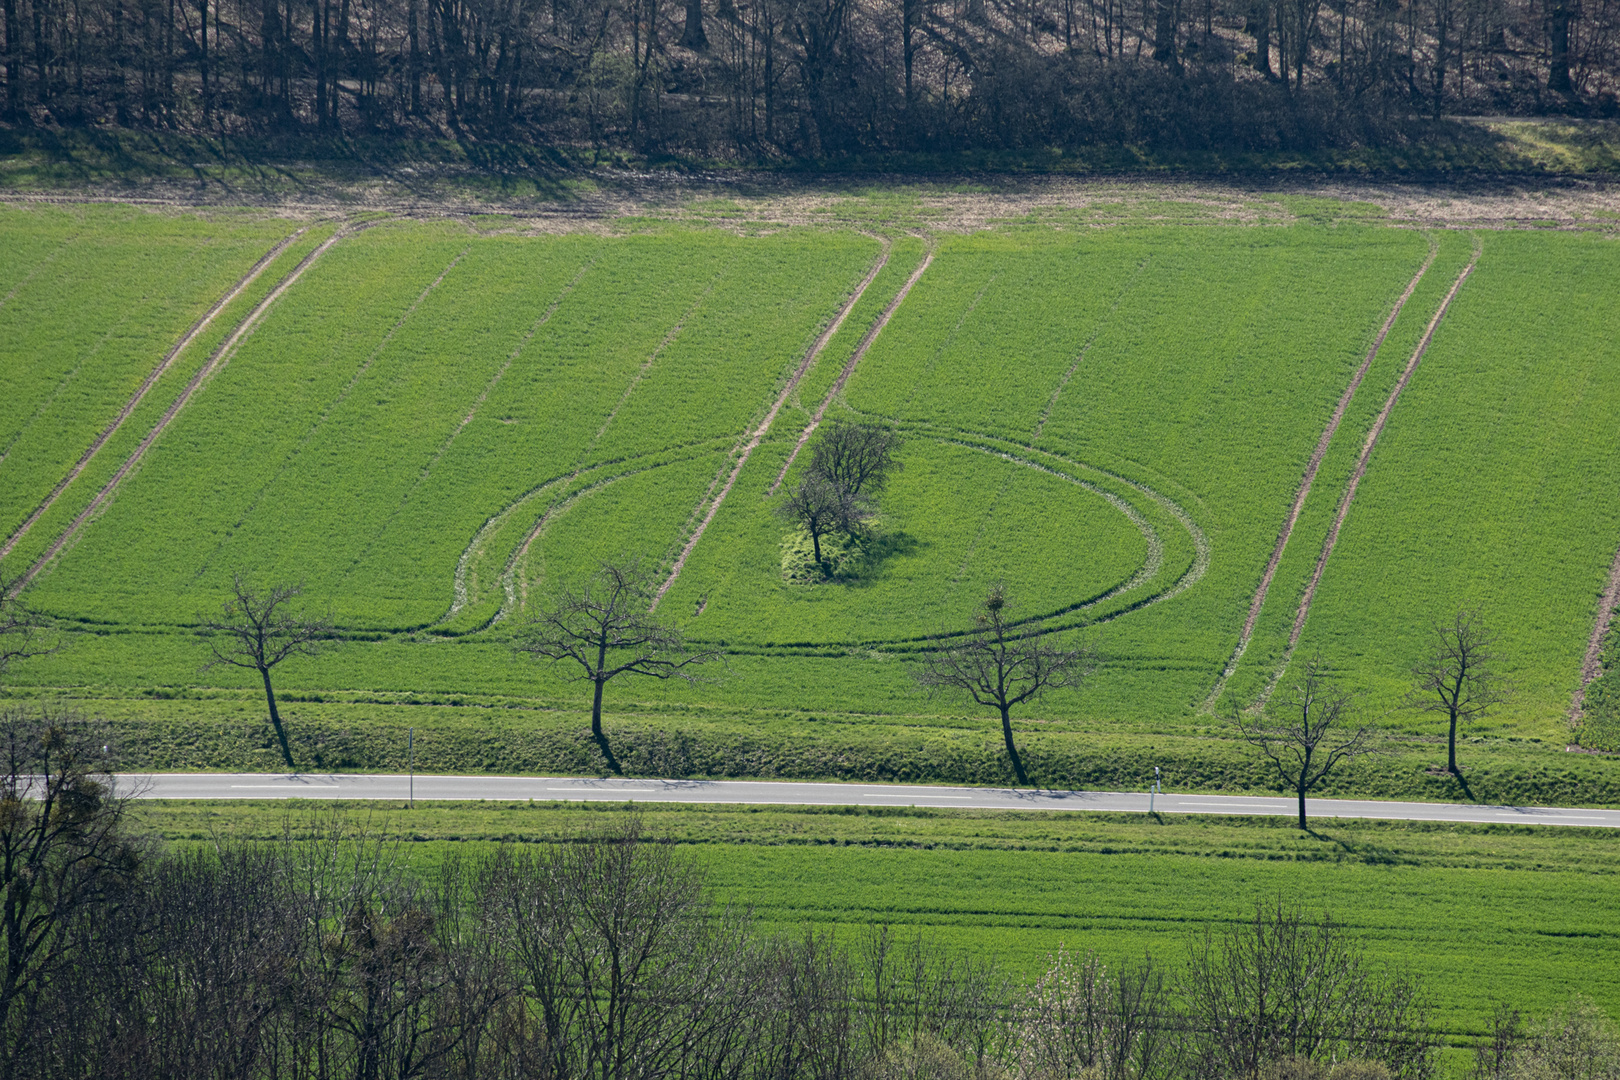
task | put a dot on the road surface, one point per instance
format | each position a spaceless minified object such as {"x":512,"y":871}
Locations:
{"x":346,"y":786}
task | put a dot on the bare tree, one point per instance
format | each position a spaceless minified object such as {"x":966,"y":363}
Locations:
{"x":64,"y":850}
{"x":1309,"y":732}
{"x":1003,"y":665}
{"x":20,"y":628}
{"x":607,"y":628}
{"x":1281,"y":986}
{"x":856,"y":457}
{"x":1459,"y":677}
{"x":257,"y":631}
{"x":820,"y":506}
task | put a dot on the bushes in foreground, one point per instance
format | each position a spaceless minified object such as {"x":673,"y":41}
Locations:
{"x":324,"y":954}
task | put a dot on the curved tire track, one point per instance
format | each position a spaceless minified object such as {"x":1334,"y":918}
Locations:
{"x":787,"y":391}
{"x":1308,"y":479}
{"x":163,"y":366}
{"x":1349,"y":496}
{"x":218,"y":360}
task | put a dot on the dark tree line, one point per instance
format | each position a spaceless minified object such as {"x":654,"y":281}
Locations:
{"x":808,"y":78}
{"x":322,"y":954}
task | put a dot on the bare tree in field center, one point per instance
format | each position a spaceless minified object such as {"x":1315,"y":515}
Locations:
{"x":1309,"y":732}
{"x":1459,"y":677}
{"x":1002,"y":665}
{"x":607,"y":628}
{"x":257,"y":630}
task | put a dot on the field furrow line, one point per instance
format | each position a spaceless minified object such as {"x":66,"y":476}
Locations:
{"x":1304,"y":490}
{"x":509,"y":572}
{"x":764,"y":427}
{"x":1591,"y":664}
{"x":163,"y":366}
{"x":472,"y":411}
{"x":849,"y":368}
{"x":218,"y":360}
{"x":332,"y":406}
{"x":42,"y":264}
{"x":1040,"y":424}
{"x":1360,"y":470}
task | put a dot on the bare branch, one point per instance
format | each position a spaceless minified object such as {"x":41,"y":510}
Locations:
{"x":21,"y":629}
{"x":256,"y":630}
{"x":1000,"y":666}
{"x":1458,"y":677}
{"x":607,"y":629}
{"x":1309,"y":732}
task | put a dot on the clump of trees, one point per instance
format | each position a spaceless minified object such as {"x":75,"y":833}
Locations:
{"x":850,"y":465}
{"x":809,"y":78}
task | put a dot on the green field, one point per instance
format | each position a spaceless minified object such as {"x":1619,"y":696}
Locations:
{"x":1486,"y":914}
{"x":441,"y":422}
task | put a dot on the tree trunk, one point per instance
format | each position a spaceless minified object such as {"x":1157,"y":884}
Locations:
{"x":275,"y":718}
{"x":692,"y":35}
{"x":1451,"y":747}
{"x":815,"y":542}
{"x":596,"y":727}
{"x":1012,"y":750}
{"x":1164,"y":32}
{"x":1558,"y":47}
{"x":1303,"y":827}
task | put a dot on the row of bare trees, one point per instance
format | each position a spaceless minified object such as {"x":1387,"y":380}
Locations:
{"x":324,"y":954}
{"x":808,"y":78}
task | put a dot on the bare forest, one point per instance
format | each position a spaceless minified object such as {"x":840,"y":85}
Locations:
{"x":802,"y":79}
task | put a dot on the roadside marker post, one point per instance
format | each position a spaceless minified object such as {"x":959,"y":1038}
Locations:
{"x":1154,"y":790}
{"x":410,"y":746}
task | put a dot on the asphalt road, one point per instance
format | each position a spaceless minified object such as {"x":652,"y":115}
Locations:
{"x":346,"y":786}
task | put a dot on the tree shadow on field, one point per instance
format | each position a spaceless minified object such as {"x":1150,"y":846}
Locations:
{"x":1363,"y":851}
{"x":852,"y":561}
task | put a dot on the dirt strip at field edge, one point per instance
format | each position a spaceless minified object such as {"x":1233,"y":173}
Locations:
{"x":215,"y":362}
{"x":849,"y":368}
{"x":1361,"y":470}
{"x":1591,"y":664}
{"x":1304,"y":490}
{"x":764,"y":427}
{"x":163,"y":366}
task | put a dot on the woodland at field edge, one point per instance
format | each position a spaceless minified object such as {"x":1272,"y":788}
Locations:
{"x":806,"y":79}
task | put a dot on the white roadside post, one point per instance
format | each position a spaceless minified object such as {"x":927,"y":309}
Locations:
{"x":410,"y":746}
{"x":1154,"y":790}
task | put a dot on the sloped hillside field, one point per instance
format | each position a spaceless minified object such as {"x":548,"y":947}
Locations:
{"x":1212,"y":448}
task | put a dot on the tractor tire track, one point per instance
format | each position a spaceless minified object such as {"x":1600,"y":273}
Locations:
{"x":1102,"y":324}
{"x":1591,"y":664}
{"x":1305,"y":482}
{"x":849,"y":368}
{"x":472,"y":411}
{"x":1360,"y":470}
{"x":516,"y":595}
{"x":163,"y":366}
{"x":764,"y":427}
{"x":218,"y":360}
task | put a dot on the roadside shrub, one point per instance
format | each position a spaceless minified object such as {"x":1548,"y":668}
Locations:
{"x":1578,"y":1042}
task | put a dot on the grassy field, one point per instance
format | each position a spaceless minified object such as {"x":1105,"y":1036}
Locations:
{"x":1485,"y":913}
{"x":443,"y":421}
